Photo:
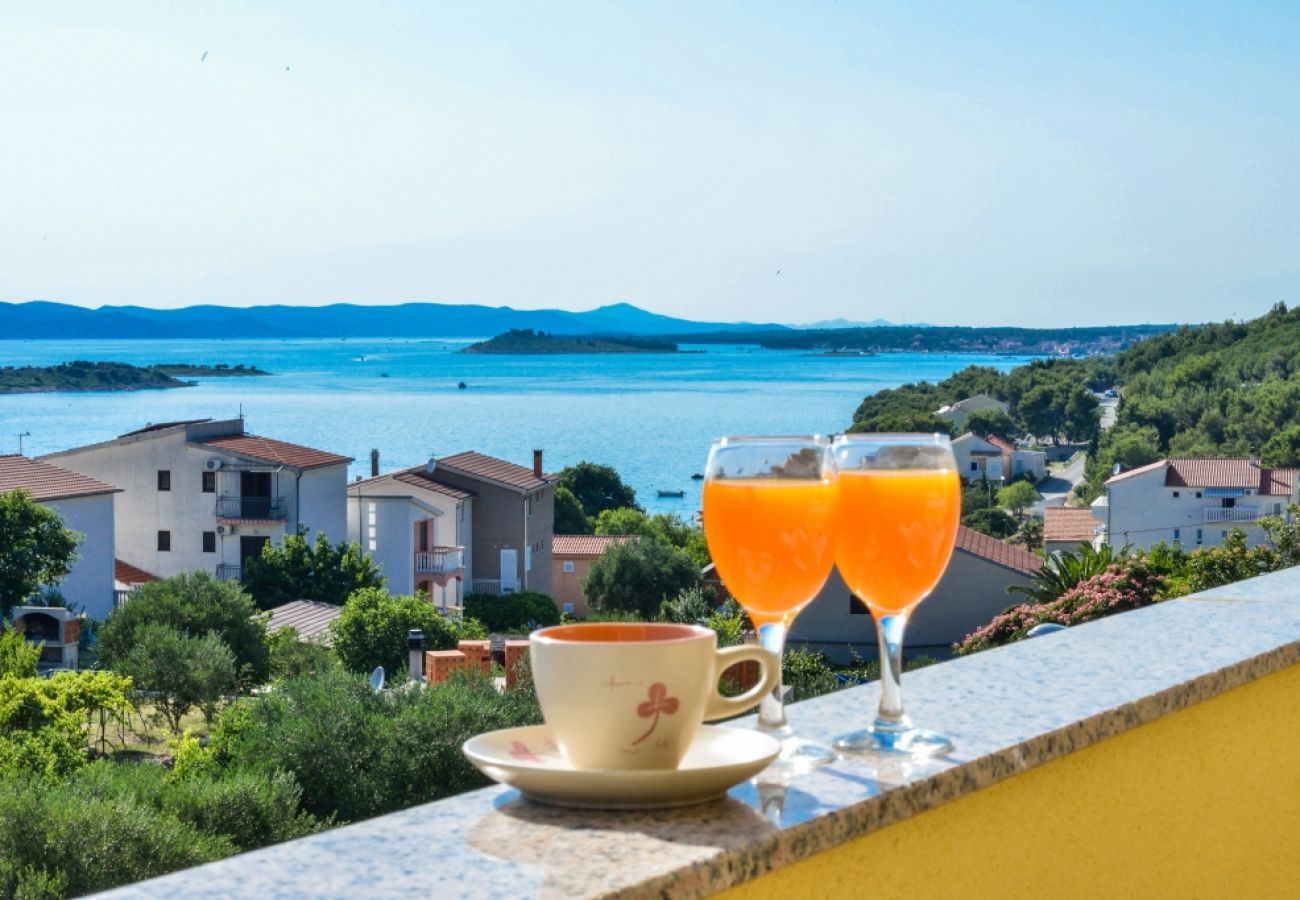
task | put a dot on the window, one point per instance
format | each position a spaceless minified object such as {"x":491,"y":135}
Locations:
{"x":1175,"y":493}
{"x":1177,"y":533}
{"x":568,"y":565}
{"x":372,"y":530}
{"x":1198,"y":495}
{"x":164,"y":541}
{"x":209,"y":482}
{"x":1199,"y":537}
{"x":568,"y":608}
{"x":974,"y":466}
{"x":164,"y":479}
{"x":209,"y":542}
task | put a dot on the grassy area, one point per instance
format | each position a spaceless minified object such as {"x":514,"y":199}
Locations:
{"x":144,"y":733}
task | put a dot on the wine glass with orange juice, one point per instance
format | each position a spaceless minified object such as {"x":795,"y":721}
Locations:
{"x":899,"y":505}
{"x":769,"y":518}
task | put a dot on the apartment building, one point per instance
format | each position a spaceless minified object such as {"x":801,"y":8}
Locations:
{"x":206,"y":494}
{"x":1193,"y":502}
{"x":980,"y":457}
{"x":957,"y":413}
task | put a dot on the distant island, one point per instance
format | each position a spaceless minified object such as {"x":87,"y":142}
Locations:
{"x":82,"y":375}
{"x":220,"y":370}
{"x":527,"y":341}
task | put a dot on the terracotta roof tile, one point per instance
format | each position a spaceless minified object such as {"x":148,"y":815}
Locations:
{"x":417,"y":477}
{"x":47,"y":482}
{"x":310,"y":618}
{"x":274,"y":451}
{"x":1061,"y":524}
{"x":129,"y":574}
{"x":583,"y":544}
{"x":999,"y":443}
{"x":490,"y":468}
{"x":996,"y":551}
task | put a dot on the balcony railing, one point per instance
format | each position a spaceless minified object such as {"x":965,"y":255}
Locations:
{"x":492,"y":586}
{"x":440,"y":560}
{"x":260,"y":508}
{"x":229,"y":572}
{"x":120,"y":597}
{"x":1231,"y":514}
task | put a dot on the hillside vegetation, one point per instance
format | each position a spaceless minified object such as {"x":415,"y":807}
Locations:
{"x":1215,"y":390}
{"x":528,"y":341}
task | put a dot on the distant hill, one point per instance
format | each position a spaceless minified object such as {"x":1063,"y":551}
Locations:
{"x":40,"y":319}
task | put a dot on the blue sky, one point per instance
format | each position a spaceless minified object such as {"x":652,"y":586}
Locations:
{"x":997,"y":163}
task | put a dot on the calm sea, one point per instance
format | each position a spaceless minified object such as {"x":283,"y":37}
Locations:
{"x":650,"y":416}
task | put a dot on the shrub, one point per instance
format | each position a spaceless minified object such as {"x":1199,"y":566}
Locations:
{"x":512,"y":613}
{"x":291,"y":656}
{"x":372,"y":630}
{"x":194,"y":603}
{"x":386,"y":750}
{"x":17,"y":657}
{"x":807,"y":674}
{"x":637,"y":575}
{"x":1128,"y":583}
{"x":695,"y":604}
{"x":992,"y":521}
{"x":43,"y":720}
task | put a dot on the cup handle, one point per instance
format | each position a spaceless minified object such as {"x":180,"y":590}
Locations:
{"x":720,"y":707}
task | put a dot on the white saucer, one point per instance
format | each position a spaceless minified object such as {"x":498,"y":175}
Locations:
{"x":528,"y":760}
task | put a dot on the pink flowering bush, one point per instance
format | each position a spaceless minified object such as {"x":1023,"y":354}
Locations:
{"x":1125,"y":584}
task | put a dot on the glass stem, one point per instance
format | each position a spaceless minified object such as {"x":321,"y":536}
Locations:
{"x":771,"y":712}
{"x":889,"y":631}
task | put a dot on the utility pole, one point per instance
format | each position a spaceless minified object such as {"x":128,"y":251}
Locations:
{"x":20,"y":441}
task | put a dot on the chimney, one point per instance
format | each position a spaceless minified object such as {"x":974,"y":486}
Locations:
{"x":374,"y":463}
{"x":415,"y":649}
{"x":537,"y":463}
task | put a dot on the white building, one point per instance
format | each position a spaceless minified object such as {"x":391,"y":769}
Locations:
{"x":205,"y":494}
{"x":957,"y":413}
{"x":990,"y":456}
{"x":418,"y":530}
{"x":1193,"y":502}
{"x":86,"y":506}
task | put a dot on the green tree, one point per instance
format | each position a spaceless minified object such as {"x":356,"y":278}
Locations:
{"x":295,"y":570}
{"x":627,"y":520}
{"x":637,"y":575}
{"x":1017,"y":497}
{"x":35,"y":548}
{"x":193,"y":603}
{"x":291,"y":656}
{"x":991,"y":521}
{"x":995,"y":422}
{"x":185,"y":671}
{"x":1283,"y":448}
{"x":372,"y":629}
{"x":596,"y":487}
{"x":1082,"y":415}
{"x":695,"y":604}
{"x":521,"y":611}
{"x":569,"y":517}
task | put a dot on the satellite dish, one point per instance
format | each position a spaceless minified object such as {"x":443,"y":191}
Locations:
{"x":431,"y":465}
{"x":1044,"y":628}
{"x":377,"y":679}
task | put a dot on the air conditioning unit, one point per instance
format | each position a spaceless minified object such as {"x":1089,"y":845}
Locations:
{"x":212,"y":465}
{"x":225,"y":529}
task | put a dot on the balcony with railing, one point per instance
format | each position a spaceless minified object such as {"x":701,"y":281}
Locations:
{"x":1166,"y":733}
{"x":258,"y":509}
{"x":440,"y":560}
{"x":493,"y":587}
{"x":229,"y":572}
{"x":1231,"y":514}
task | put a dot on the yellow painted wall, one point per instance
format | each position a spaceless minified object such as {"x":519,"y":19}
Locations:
{"x":1201,"y":803}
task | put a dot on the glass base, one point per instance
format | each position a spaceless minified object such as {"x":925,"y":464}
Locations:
{"x":913,"y":742}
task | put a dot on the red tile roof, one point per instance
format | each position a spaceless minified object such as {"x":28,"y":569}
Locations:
{"x":490,"y":468}
{"x":129,"y":574}
{"x":47,"y":482}
{"x":310,"y":618}
{"x":999,"y":443}
{"x":995,"y":551}
{"x":1221,"y":473}
{"x":271,"y":450}
{"x":1061,"y":524}
{"x":418,"y":477}
{"x":583,"y":544}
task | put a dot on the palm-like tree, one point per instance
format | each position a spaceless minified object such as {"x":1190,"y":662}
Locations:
{"x":1064,"y":571}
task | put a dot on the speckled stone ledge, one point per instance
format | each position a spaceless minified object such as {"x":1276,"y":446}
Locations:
{"x":1007,"y":710}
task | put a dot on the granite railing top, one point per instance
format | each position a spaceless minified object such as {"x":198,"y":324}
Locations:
{"x":1007,"y":710}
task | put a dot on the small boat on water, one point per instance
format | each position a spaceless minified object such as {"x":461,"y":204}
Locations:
{"x":698,"y":476}
{"x":460,"y":385}
{"x":677,"y":494}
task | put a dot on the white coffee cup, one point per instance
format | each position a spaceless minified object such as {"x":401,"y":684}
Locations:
{"x":627,"y":695}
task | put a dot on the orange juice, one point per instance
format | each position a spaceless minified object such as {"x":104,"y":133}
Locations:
{"x":773,"y":541}
{"x":896,"y":531}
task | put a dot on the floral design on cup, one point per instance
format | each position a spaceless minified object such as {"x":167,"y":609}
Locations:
{"x":519,"y":750}
{"x":658,"y":704}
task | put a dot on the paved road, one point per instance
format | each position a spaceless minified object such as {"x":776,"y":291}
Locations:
{"x":1108,"y":410}
{"x":1056,"y":486}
